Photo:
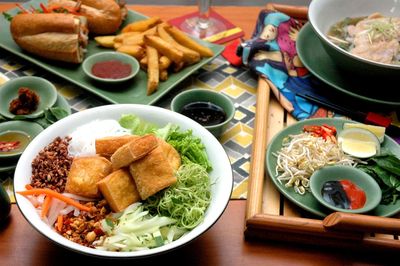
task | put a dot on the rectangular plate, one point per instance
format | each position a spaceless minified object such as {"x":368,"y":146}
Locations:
{"x":133,"y":91}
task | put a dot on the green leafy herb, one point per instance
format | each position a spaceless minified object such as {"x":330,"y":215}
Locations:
{"x":7,"y":16}
{"x":51,"y":116}
{"x":386,"y":171}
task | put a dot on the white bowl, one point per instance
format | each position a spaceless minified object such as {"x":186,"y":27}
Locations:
{"x":221,"y":175}
{"x":322,"y":14}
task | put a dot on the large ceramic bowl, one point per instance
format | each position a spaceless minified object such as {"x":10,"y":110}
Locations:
{"x":221,"y":175}
{"x":323,"y":14}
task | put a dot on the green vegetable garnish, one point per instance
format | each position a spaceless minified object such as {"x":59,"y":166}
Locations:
{"x":187,"y":200}
{"x":385,"y":170}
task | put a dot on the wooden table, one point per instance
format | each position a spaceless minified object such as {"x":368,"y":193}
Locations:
{"x":223,"y":244}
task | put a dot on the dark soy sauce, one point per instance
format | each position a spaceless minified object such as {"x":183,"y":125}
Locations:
{"x":205,"y":113}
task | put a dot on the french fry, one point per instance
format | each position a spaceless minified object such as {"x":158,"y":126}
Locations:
{"x":105,"y":41}
{"x":189,"y":56}
{"x":117,"y":45}
{"x":122,"y":36}
{"x":142,"y":25}
{"x":152,"y":69}
{"x":138,"y":38}
{"x":163,"y":75}
{"x":143,"y":63}
{"x":164,"y":48}
{"x":164,"y":62}
{"x":178,"y":67}
{"x":134,"y":50}
{"x":188,"y":42}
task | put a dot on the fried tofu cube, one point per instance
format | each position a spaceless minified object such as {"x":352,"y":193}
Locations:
{"x":170,"y":153}
{"x":84,"y":174}
{"x":119,"y":189}
{"x":108,"y":145}
{"x":152,"y":173}
{"x":133,"y":150}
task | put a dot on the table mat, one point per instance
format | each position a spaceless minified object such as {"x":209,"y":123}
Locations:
{"x":239,"y":84}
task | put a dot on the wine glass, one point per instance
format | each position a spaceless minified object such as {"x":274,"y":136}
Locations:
{"x":202,"y":24}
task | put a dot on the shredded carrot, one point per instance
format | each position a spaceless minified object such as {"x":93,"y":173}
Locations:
{"x":60,"y":222}
{"x":46,"y":206}
{"x":28,"y":186}
{"x":52,"y":193}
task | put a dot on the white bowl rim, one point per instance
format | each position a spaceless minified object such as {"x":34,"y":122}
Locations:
{"x":220,"y":201}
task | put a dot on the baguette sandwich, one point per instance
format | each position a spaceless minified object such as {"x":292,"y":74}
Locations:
{"x":61,"y":37}
{"x":104,"y":16}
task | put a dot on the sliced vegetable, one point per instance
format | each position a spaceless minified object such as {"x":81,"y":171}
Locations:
{"x":52,"y":193}
{"x":46,"y":206}
{"x":134,"y":230}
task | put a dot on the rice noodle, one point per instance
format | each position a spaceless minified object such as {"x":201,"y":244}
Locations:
{"x":303,"y":154}
{"x":83,"y":138}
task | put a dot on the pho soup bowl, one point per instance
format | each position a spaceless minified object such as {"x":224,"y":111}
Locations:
{"x":211,"y":109}
{"x":9,"y":91}
{"x":345,"y":189}
{"x":323,"y":14}
{"x":110,"y":67}
{"x":220,"y":176}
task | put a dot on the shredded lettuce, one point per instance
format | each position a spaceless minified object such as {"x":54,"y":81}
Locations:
{"x":190,"y":148}
{"x":187,"y":200}
{"x":135,"y":229}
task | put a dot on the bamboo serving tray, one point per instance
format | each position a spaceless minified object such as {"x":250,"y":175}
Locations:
{"x":269,"y":215}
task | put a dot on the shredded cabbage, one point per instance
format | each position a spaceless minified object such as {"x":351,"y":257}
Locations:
{"x":187,"y":200}
{"x":135,"y":229}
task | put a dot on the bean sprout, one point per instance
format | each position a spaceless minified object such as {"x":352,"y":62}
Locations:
{"x":303,"y":154}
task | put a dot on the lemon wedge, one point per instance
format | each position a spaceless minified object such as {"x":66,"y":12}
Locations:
{"x":378,"y":131}
{"x":359,"y":142}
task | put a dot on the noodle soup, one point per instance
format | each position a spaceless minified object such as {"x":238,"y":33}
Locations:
{"x":375,"y":37}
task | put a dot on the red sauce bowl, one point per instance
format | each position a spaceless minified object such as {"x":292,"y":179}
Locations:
{"x":342,"y":173}
{"x":110,"y":67}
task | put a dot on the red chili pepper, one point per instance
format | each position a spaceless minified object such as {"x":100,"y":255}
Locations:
{"x":6,"y":146}
{"x":325,"y":131}
{"x":43,"y":7}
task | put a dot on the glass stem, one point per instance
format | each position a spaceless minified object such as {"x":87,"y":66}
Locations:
{"x":204,"y":13}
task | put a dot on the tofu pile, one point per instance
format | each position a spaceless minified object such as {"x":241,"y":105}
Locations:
{"x":125,"y":170}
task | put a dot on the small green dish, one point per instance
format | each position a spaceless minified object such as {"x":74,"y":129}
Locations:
{"x":110,"y":56}
{"x":14,"y":129}
{"x":205,"y":95}
{"x":361,"y":179}
{"x":46,"y":91}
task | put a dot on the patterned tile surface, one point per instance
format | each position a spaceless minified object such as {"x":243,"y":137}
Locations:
{"x":236,"y":83}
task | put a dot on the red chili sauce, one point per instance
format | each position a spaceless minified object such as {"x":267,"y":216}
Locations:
{"x":343,"y":194}
{"x":112,"y":69}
